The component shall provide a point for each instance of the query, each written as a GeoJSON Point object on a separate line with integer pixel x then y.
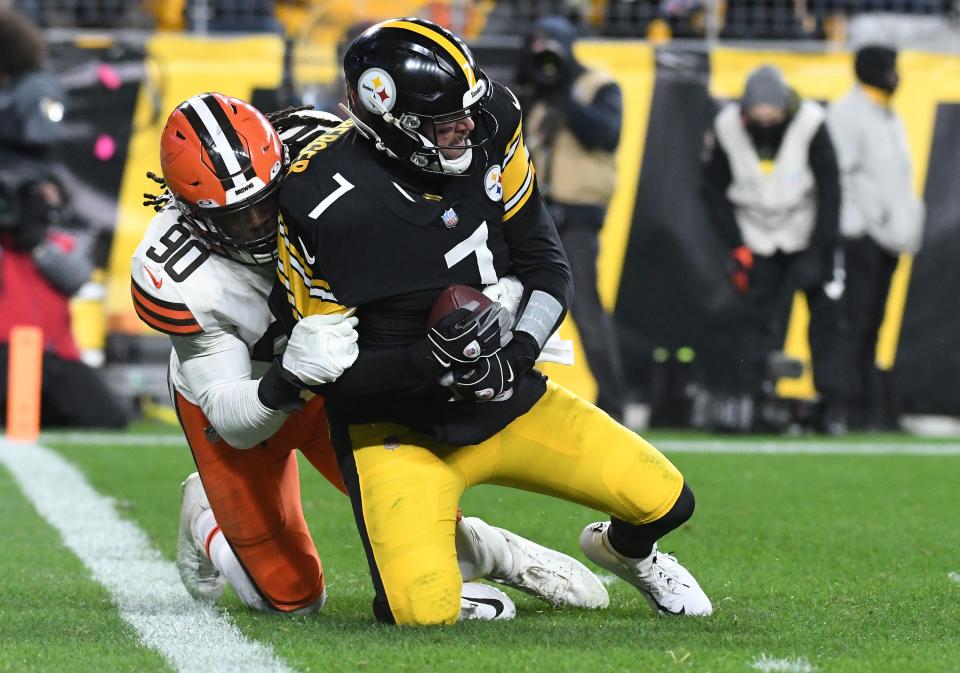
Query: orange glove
{"type": "Point", "coordinates": [742, 262]}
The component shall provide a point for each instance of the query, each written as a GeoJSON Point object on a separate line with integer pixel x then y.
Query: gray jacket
{"type": "Point", "coordinates": [876, 174]}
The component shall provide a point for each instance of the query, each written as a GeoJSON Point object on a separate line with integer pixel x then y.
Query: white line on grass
{"type": "Point", "coordinates": [954, 576]}
{"type": "Point", "coordinates": [193, 638]}
{"type": "Point", "coordinates": [732, 446]}
{"type": "Point", "coordinates": [812, 447]}
{"type": "Point", "coordinates": [112, 439]}
{"type": "Point", "coordinates": [792, 665]}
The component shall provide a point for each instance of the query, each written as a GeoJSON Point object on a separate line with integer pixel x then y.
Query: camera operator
{"type": "Point", "coordinates": [572, 129]}
{"type": "Point", "coordinates": [43, 252]}
{"type": "Point", "coordinates": [772, 190]}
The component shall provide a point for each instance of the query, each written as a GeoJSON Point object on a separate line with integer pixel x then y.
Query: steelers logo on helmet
{"type": "Point", "coordinates": [378, 93]}
{"type": "Point", "coordinates": [493, 183]}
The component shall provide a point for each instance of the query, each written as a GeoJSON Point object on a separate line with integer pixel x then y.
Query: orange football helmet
{"type": "Point", "coordinates": [223, 162]}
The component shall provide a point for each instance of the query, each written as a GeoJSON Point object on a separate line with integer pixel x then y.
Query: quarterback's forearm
{"type": "Point", "coordinates": [538, 260]}
{"type": "Point", "coordinates": [216, 368]}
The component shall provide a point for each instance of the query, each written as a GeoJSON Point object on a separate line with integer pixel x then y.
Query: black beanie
{"type": "Point", "coordinates": [876, 65]}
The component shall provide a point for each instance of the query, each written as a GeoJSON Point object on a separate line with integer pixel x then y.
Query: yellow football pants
{"type": "Point", "coordinates": [406, 490]}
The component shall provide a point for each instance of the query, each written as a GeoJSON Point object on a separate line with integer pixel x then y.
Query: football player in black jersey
{"type": "Point", "coordinates": [429, 184]}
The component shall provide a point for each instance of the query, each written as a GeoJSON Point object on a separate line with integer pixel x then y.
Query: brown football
{"type": "Point", "coordinates": [454, 297]}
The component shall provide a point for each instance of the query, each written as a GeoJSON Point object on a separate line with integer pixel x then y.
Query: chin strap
{"type": "Point", "coordinates": [368, 132]}
{"type": "Point", "coordinates": [458, 165]}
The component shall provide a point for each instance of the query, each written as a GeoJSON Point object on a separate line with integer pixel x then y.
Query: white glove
{"type": "Point", "coordinates": [321, 347]}
{"type": "Point", "coordinates": [508, 291]}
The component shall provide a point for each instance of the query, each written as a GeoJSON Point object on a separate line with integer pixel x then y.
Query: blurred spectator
{"type": "Point", "coordinates": [232, 16]}
{"type": "Point", "coordinates": [768, 20]}
{"type": "Point", "coordinates": [772, 190]}
{"type": "Point", "coordinates": [572, 130]}
{"type": "Point", "coordinates": [42, 261]}
{"type": "Point", "coordinates": [880, 217]}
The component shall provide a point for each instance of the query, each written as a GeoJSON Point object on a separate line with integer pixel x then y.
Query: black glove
{"type": "Point", "coordinates": [741, 262]}
{"type": "Point", "coordinates": [469, 333]}
{"type": "Point", "coordinates": [492, 378]}
{"type": "Point", "coordinates": [489, 379]}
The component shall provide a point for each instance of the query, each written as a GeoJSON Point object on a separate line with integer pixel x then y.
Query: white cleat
{"type": "Point", "coordinates": [479, 601]}
{"type": "Point", "coordinates": [197, 572]}
{"type": "Point", "coordinates": [551, 576]}
{"type": "Point", "coordinates": [667, 585]}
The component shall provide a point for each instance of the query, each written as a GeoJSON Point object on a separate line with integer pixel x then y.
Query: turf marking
{"type": "Point", "coordinates": [792, 665]}
{"type": "Point", "coordinates": [794, 447]}
{"type": "Point", "coordinates": [192, 637]}
{"type": "Point", "coordinates": [954, 577]}
{"type": "Point", "coordinates": [111, 439]}
{"type": "Point", "coordinates": [732, 446]}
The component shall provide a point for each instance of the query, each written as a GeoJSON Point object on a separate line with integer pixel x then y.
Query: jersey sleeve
{"type": "Point", "coordinates": [306, 290]}
{"type": "Point", "coordinates": [158, 298]}
{"type": "Point", "coordinates": [517, 173]}
{"type": "Point", "coordinates": [163, 315]}
{"type": "Point", "coordinates": [216, 364]}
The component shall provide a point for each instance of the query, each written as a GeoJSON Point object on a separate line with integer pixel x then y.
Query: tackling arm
{"type": "Point", "coordinates": [217, 365]}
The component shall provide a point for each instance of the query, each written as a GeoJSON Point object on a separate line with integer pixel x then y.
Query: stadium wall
{"type": "Point", "coordinates": [662, 266]}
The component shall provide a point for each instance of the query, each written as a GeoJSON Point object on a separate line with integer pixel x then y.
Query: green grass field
{"type": "Point", "coordinates": [835, 563]}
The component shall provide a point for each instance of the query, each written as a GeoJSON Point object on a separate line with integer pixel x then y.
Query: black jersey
{"type": "Point", "coordinates": [355, 232]}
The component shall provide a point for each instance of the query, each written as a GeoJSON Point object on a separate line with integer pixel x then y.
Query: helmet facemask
{"type": "Point", "coordinates": [244, 232]}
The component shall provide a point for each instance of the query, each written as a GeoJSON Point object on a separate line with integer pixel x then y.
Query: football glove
{"type": "Point", "coordinates": [320, 349]}
{"type": "Point", "coordinates": [489, 379]}
{"type": "Point", "coordinates": [741, 261]}
{"type": "Point", "coordinates": [469, 333]}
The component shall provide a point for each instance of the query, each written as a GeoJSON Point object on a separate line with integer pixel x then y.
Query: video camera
{"type": "Point", "coordinates": [546, 67]}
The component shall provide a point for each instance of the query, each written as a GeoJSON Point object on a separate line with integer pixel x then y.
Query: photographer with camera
{"type": "Point", "coordinates": [771, 188]}
{"type": "Point", "coordinates": [44, 253]}
{"type": "Point", "coordinates": [572, 130]}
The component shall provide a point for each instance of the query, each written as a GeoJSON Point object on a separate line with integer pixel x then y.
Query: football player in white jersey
{"type": "Point", "coordinates": [202, 275]}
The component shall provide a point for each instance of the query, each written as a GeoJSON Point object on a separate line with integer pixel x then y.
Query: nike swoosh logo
{"type": "Point", "coordinates": [492, 602]}
{"type": "Point", "coordinates": [510, 369]}
{"type": "Point", "coordinates": [157, 282]}
{"type": "Point", "coordinates": [307, 256]}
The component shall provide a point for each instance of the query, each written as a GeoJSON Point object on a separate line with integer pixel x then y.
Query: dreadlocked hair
{"type": "Point", "coordinates": [280, 119]}
{"type": "Point", "coordinates": [158, 201]}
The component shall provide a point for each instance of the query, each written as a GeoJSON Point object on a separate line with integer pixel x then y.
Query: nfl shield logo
{"type": "Point", "coordinates": [449, 218]}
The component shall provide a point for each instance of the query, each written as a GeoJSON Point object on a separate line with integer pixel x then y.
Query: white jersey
{"type": "Point", "coordinates": [215, 311]}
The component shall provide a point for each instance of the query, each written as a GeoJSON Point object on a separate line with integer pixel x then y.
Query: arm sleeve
{"type": "Point", "coordinates": [714, 180]}
{"type": "Point", "coordinates": [823, 165]}
{"type": "Point", "coordinates": [537, 258]}
{"type": "Point", "coordinates": [597, 125]}
{"type": "Point", "coordinates": [216, 366]}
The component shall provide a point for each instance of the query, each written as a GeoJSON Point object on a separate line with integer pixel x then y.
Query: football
{"type": "Point", "coordinates": [454, 297]}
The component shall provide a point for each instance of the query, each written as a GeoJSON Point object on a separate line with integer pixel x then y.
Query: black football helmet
{"type": "Point", "coordinates": [407, 76]}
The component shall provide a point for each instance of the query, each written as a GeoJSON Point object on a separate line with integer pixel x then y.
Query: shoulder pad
{"type": "Point", "coordinates": [504, 105]}
{"type": "Point", "coordinates": [297, 130]}
{"type": "Point", "coordinates": [158, 298]}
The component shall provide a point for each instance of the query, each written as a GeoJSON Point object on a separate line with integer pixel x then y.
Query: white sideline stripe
{"type": "Point", "coordinates": [794, 447]}
{"type": "Point", "coordinates": [111, 439]}
{"type": "Point", "coordinates": [192, 637]}
{"type": "Point", "coordinates": [732, 446]}
{"type": "Point", "coordinates": [792, 665]}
